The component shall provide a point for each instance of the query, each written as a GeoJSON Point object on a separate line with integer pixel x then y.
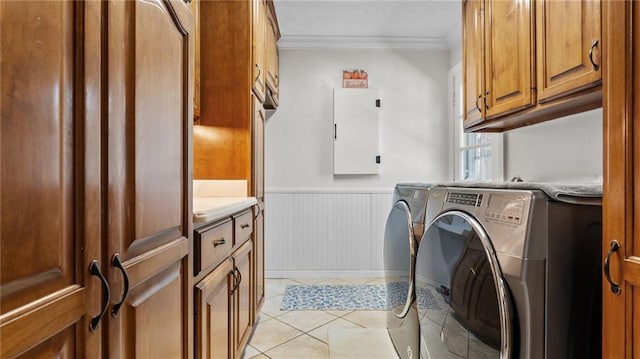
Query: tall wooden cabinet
{"type": "Point", "coordinates": [51, 179]}
{"type": "Point", "coordinates": [96, 187]}
{"type": "Point", "coordinates": [527, 62]}
{"type": "Point", "coordinates": [621, 206]}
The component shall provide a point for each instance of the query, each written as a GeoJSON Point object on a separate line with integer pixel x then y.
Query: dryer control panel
{"type": "Point", "coordinates": [505, 208]}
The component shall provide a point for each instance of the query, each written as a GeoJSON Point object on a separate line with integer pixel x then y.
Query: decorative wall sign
{"type": "Point", "coordinates": [355, 78]}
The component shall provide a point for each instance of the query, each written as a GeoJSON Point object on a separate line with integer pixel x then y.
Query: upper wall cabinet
{"type": "Point", "coordinates": [273, 59]}
{"type": "Point", "coordinates": [568, 44]}
{"type": "Point", "coordinates": [505, 87]}
{"type": "Point", "coordinates": [259, 49]}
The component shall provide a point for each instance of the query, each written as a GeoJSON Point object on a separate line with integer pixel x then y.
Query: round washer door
{"type": "Point", "coordinates": [462, 298]}
{"type": "Point", "coordinates": [399, 258]}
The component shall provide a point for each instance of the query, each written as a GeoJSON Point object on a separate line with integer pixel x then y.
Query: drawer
{"type": "Point", "coordinates": [243, 227]}
{"type": "Point", "coordinates": [213, 244]}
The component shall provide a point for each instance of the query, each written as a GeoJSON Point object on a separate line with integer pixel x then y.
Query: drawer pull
{"type": "Point", "coordinates": [219, 242]}
{"type": "Point", "coordinates": [245, 225]}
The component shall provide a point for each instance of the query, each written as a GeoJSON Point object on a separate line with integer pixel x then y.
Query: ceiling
{"type": "Point", "coordinates": [399, 23]}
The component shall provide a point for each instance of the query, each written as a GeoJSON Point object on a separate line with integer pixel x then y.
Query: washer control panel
{"type": "Point", "coordinates": [468, 199]}
{"type": "Point", "coordinates": [505, 208]}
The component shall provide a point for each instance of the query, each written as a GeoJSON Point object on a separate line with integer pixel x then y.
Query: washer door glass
{"type": "Point", "coordinates": [461, 296]}
{"type": "Point", "coordinates": [399, 258]}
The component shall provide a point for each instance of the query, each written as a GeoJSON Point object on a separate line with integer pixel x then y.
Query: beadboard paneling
{"type": "Point", "coordinates": [317, 231]}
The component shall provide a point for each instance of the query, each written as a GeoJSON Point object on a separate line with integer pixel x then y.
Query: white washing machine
{"type": "Point", "coordinates": [508, 274]}
{"type": "Point", "coordinates": [404, 228]}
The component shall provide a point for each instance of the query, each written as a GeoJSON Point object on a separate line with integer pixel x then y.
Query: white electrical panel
{"type": "Point", "coordinates": [356, 127]}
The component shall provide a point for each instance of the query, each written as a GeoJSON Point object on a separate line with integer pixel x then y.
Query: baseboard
{"type": "Point", "coordinates": [325, 274]}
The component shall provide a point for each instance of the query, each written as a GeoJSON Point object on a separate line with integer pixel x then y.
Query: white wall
{"type": "Point", "coordinates": [318, 224]}
{"type": "Point", "coordinates": [563, 150]}
{"type": "Point", "coordinates": [413, 142]}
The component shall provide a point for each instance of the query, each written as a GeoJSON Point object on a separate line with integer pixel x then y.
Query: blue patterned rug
{"type": "Point", "coordinates": [335, 297]}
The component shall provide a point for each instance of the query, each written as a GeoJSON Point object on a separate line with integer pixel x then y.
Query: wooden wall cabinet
{"type": "Point", "coordinates": [505, 87]}
{"type": "Point", "coordinates": [224, 312]}
{"type": "Point", "coordinates": [621, 203]}
{"type": "Point", "coordinates": [273, 59]}
{"type": "Point", "coordinates": [96, 147]}
{"type": "Point", "coordinates": [259, 54]}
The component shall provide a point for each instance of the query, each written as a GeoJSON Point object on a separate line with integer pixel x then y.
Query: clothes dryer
{"type": "Point", "coordinates": [404, 227]}
{"type": "Point", "coordinates": [508, 274]}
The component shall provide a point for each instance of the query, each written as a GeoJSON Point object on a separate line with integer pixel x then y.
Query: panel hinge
{"type": "Point", "coordinates": [378, 103]}
{"type": "Point", "coordinates": [378, 159]}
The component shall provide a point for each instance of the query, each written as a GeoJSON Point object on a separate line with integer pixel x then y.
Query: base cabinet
{"type": "Point", "coordinates": [224, 293]}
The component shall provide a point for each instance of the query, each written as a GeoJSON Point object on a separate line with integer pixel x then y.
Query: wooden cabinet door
{"type": "Point", "coordinates": [149, 186]}
{"type": "Point", "coordinates": [242, 296]}
{"type": "Point", "coordinates": [508, 56]}
{"type": "Point", "coordinates": [50, 179]}
{"type": "Point", "coordinates": [259, 55]}
{"type": "Point", "coordinates": [214, 313]}
{"type": "Point", "coordinates": [568, 40]}
{"type": "Point", "coordinates": [621, 203]}
{"type": "Point", "coordinates": [257, 145]}
{"type": "Point", "coordinates": [473, 60]}
{"type": "Point", "coordinates": [258, 248]}
{"type": "Point", "coordinates": [195, 11]}
{"type": "Point", "coordinates": [272, 57]}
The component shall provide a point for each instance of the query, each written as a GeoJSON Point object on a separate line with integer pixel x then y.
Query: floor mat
{"type": "Point", "coordinates": [335, 297]}
{"type": "Point", "coordinates": [360, 343]}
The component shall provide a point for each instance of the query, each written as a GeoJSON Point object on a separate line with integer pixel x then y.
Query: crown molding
{"type": "Point", "coordinates": [361, 42]}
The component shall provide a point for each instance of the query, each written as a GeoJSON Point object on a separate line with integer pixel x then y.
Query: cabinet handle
{"type": "Point", "coordinates": [244, 225]}
{"type": "Point", "coordinates": [239, 276]}
{"type": "Point", "coordinates": [259, 73]}
{"type": "Point", "coordinates": [486, 106]}
{"type": "Point", "coordinates": [258, 210]}
{"type": "Point", "coordinates": [233, 273]}
{"type": "Point", "coordinates": [478, 106]}
{"type": "Point", "coordinates": [593, 46]}
{"type": "Point", "coordinates": [94, 269]}
{"type": "Point", "coordinates": [277, 81]}
{"type": "Point", "coordinates": [219, 242]}
{"type": "Point", "coordinates": [615, 287]}
{"type": "Point", "coordinates": [125, 278]}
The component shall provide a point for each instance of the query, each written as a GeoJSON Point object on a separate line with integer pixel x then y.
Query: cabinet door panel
{"type": "Point", "coordinates": [473, 55]}
{"type": "Point", "coordinates": [150, 113]}
{"type": "Point", "coordinates": [50, 177]}
{"type": "Point", "coordinates": [243, 260]}
{"type": "Point", "coordinates": [566, 31]}
{"type": "Point", "coordinates": [259, 55]}
{"type": "Point", "coordinates": [214, 313]}
{"type": "Point", "coordinates": [509, 53]}
{"type": "Point", "coordinates": [153, 312]}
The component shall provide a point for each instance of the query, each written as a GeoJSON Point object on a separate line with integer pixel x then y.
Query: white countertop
{"type": "Point", "coordinates": [207, 209]}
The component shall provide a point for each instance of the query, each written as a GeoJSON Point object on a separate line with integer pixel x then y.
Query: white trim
{"type": "Point", "coordinates": [329, 190]}
{"type": "Point", "coordinates": [361, 42]}
{"type": "Point", "coordinates": [453, 123]}
{"type": "Point", "coordinates": [268, 274]}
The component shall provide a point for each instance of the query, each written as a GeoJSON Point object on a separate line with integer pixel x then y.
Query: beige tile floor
{"type": "Point", "coordinates": [304, 334]}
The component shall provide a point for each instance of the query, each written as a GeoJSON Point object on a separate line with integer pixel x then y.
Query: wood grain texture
{"type": "Point", "coordinates": [272, 33]}
{"type": "Point", "coordinates": [565, 32]}
{"type": "Point", "coordinates": [50, 177]}
{"type": "Point", "coordinates": [509, 57]}
{"type": "Point", "coordinates": [150, 76]}
{"type": "Point", "coordinates": [259, 51]}
{"type": "Point", "coordinates": [621, 84]}
{"type": "Point", "coordinates": [243, 297]}
{"type": "Point", "coordinates": [214, 319]}
{"type": "Point", "coordinates": [473, 61]}
{"type": "Point", "coordinates": [222, 142]}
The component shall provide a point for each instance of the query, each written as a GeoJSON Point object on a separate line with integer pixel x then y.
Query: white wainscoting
{"type": "Point", "coordinates": [325, 232]}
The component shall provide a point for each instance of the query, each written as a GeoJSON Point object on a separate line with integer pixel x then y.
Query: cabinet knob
{"type": "Point", "coordinates": [219, 242]}
{"type": "Point", "coordinates": [244, 225]}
